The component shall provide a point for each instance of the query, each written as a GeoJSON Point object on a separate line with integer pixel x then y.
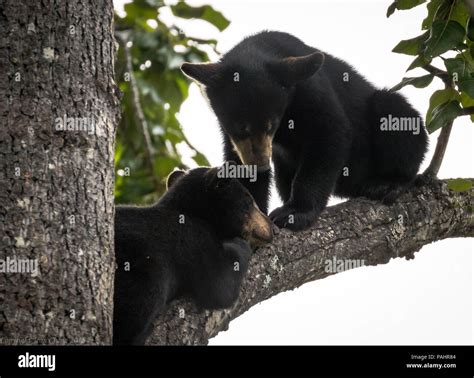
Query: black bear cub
{"type": "Point", "coordinates": [326, 128]}
{"type": "Point", "coordinates": [194, 242]}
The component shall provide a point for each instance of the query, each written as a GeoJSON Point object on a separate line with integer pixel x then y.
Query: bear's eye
{"type": "Point", "coordinates": [249, 200]}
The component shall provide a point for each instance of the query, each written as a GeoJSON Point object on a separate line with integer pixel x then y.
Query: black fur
{"type": "Point", "coordinates": [336, 125]}
{"type": "Point", "coordinates": [196, 259]}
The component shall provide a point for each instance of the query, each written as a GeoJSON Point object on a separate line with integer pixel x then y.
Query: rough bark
{"type": "Point", "coordinates": [56, 185]}
{"type": "Point", "coordinates": [352, 231]}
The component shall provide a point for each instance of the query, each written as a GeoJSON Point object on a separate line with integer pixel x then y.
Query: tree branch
{"type": "Point", "coordinates": [140, 117]}
{"type": "Point", "coordinates": [440, 150]}
{"type": "Point", "coordinates": [358, 230]}
{"type": "Point", "coordinates": [443, 138]}
{"type": "Point", "coordinates": [468, 111]}
{"type": "Point", "coordinates": [443, 75]}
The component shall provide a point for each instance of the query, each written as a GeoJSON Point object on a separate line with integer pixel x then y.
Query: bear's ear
{"type": "Point", "coordinates": [204, 73]}
{"type": "Point", "coordinates": [173, 176]}
{"type": "Point", "coordinates": [289, 71]}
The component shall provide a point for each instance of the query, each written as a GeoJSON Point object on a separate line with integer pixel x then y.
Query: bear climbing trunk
{"type": "Point", "coordinates": [58, 113]}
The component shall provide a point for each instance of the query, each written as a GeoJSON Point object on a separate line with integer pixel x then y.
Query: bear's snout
{"type": "Point", "coordinates": [258, 228]}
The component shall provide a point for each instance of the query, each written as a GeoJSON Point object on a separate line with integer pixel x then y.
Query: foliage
{"type": "Point", "coordinates": [448, 29]}
{"type": "Point", "coordinates": [155, 52]}
{"type": "Point", "coordinates": [460, 185]}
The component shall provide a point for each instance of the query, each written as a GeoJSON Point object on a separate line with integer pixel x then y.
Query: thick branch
{"type": "Point", "coordinates": [355, 230]}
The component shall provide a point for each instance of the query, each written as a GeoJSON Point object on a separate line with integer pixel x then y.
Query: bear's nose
{"type": "Point", "coordinates": [263, 233]}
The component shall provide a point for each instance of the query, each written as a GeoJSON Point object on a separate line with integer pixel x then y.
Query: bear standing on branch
{"type": "Point", "coordinates": [322, 124]}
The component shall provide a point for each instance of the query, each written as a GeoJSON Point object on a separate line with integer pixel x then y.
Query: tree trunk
{"type": "Point", "coordinates": [352, 234]}
{"type": "Point", "coordinates": [58, 113]}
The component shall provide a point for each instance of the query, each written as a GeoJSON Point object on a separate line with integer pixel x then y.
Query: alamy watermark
{"type": "Point", "coordinates": [66, 123]}
{"type": "Point", "coordinates": [391, 123]}
{"type": "Point", "coordinates": [337, 266]}
{"type": "Point", "coordinates": [28, 360]}
{"type": "Point", "coordinates": [229, 170]}
{"type": "Point", "coordinates": [23, 266]}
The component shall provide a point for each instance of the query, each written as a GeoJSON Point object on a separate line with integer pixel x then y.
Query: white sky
{"type": "Point", "coordinates": [428, 300]}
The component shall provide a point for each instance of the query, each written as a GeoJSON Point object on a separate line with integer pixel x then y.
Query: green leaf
{"type": "Point", "coordinates": [467, 86]}
{"type": "Point", "coordinates": [458, 69]}
{"type": "Point", "coordinates": [418, 82]}
{"type": "Point", "coordinates": [408, 4]}
{"type": "Point", "coordinates": [456, 66]}
{"type": "Point", "coordinates": [201, 160]}
{"type": "Point", "coordinates": [118, 152]}
{"type": "Point", "coordinates": [466, 102]}
{"type": "Point", "coordinates": [468, 58]}
{"type": "Point", "coordinates": [444, 36]}
{"type": "Point", "coordinates": [460, 185]}
{"type": "Point", "coordinates": [411, 46]}
{"type": "Point", "coordinates": [419, 61]}
{"type": "Point", "coordinates": [205, 12]}
{"type": "Point", "coordinates": [403, 5]}
{"type": "Point", "coordinates": [470, 29]}
{"type": "Point", "coordinates": [440, 97]}
{"type": "Point", "coordinates": [164, 165]}
{"type": "Point", "coordinates": [391, 9]}
{"type": "Point", "coordinates": [461, 73]}
{"type": "Point", "coordinates": [460, 13]}
{"type": "Point", "coordinates": [444, 114]}
{"type": "Point", "coordinates": [433, 6]}
{"type": "Point", "coordinates": [140, 12]}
